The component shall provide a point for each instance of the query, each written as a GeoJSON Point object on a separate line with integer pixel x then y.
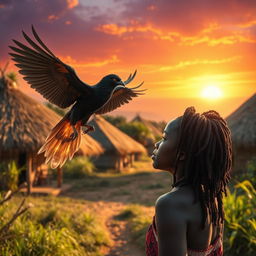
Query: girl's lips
{"type": "Point", "coordinates": [153, 154]}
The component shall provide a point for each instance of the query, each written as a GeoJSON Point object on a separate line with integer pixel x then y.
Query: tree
{"type": "Point", "coordinates": [56, 109]}
{"type": "Point", "coordinates": [115, 120]}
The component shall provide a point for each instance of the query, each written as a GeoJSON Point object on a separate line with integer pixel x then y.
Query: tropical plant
{"type": "Point", "coordinates": [9, 175]}
{"type": "Point", "coordinates": [240, 220]}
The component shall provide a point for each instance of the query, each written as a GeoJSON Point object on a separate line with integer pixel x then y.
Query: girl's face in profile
{"type": "Point", "coordinates": [165, 150]}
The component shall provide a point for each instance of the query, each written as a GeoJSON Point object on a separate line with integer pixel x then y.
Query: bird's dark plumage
{"type": "Point", "coordinates": [58, 83]}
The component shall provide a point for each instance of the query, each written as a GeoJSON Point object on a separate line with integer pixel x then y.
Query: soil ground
{"type": "Point", "coordinates": [111, 193]}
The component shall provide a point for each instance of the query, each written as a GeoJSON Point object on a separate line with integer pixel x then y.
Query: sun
{"type": "Point", "coordinates": [211, 92]}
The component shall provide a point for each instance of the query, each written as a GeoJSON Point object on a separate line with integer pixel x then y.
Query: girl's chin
{"type": "Point", "coordinates": [154, 164]}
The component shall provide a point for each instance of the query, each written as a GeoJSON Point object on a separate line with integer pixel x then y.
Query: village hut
{"type": "Point", "coordinates": [155, 132]}
{"type": "Point", "coordinates": [242, 123]}
{"type": "Point", "coordinates": [25, 124]}
{"type": "Point", "coordinates": [120, 149]}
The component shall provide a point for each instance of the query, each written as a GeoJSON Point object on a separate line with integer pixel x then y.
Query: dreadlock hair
{"type": "Point", "coordinates": [206, 141]}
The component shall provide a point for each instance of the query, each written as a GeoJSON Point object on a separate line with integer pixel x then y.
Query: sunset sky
{"type": "Point", "coordinates": [198, 53]}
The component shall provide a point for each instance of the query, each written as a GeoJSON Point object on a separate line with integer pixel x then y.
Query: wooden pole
{"type": "Point", "coordinates": [59, 181]}
{"type": "Point", "coordinates": [29, 170]}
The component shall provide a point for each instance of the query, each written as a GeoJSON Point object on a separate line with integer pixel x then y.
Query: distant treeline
{"type": "Point", "coordinates": [135, 129]}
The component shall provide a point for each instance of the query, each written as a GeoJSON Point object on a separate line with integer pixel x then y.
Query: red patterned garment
{"type": "Point", "coordinates": [215, 249]}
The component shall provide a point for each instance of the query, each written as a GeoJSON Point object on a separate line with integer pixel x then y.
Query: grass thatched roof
{"type": "Point", "coordinates": [113, 139]}
{"type": "Point", "coordinates": [242, 123]}
{"type": "Point", "coordinates": [25, 123]}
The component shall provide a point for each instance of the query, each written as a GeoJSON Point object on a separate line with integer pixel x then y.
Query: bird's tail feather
{"type": "Point", "coordinates": [58, 146]}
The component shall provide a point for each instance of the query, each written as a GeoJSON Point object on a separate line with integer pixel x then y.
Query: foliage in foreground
{"type": "Point", "coordinates": [240, 221]}
{"type": "Point", "coordinates": [59, 230]}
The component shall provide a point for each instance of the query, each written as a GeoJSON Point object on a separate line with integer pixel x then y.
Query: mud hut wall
{"type": "Point", "coordinates": [241, 157]}
{"type": "Point", "coordinates": [137, 156]}
{"type": "Point", "coordinates": [40, 169]}
{"type": "Point", "coordinates": [106, 161]}
{"type": "Point", "coordinates": [8, 156]}
{"type": "Point", "coordinates": [113, 161]}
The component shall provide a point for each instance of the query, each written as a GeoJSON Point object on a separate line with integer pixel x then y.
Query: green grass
{"type": "Point", "coordinates": [54, 226]}
{"type": "Point", "coordinates": [153, 186]}
{"type": "Point", "coordinates": [139, 222]}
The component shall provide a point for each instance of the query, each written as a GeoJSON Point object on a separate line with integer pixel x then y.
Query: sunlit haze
{"type": "Point", "coordinates": [188, 53]}
{"type": "Point", "coordinates": [211, 92]}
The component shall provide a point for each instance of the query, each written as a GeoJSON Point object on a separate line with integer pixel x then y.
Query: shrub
{"type": "Point", "coordinates": [78, 167]}
{"type": "Point", "coordinates": [240, 220]}
{"type": "Point", "coordinates": [9, 175]}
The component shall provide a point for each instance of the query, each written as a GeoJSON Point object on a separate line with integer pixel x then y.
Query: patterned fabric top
{"type": "Point", "coordinates": [215, 249]}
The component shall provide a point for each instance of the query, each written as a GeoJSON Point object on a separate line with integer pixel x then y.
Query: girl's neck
{"type": "Point", "coordinates": [180, 182]}
{"type": "Point", "coordinates": [179, 178]}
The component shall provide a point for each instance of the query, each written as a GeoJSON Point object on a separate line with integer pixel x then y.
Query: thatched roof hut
{"type": "Point", "coordinates": [242, 123]}
{"type": "Point", "coordinates": [120, 149]}
{"type": "Point", "coordinates": [25, 124]}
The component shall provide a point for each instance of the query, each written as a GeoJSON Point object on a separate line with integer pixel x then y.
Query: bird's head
{"type": "Point", "coordinates": [112, 80]}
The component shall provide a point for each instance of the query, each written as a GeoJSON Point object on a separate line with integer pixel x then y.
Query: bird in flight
{"type": "Point", "coordinates": [59, 84]}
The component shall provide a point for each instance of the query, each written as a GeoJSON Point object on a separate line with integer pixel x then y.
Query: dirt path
{"type": "Point", "coordinates": [120, 235]}
{"type": "Point", "coordinates": [111, 195]}
{"type": "Point", "coordinates": [119, 232]}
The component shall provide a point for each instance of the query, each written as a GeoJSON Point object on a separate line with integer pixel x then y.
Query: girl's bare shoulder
{"type": "Point", "coordinates": [178, 198]}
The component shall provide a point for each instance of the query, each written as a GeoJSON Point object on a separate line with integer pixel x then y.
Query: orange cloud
{"type": "Point", "coordinates": [74, 63]}
{"type": "Point", "coordinates": [72, 3]}
{"type": "Point", "coordinates": [114, 29]}
{"type": "Point", "coordinates": [208, 35]}
{"type": "Point", "coordinates": [212, 41]}
{"type": "Point", "coordinates": [52, 17]}
{"type": "Point", "coordinates": [184, 64]}
{"type": "Point", "coordinates": [248, 24]}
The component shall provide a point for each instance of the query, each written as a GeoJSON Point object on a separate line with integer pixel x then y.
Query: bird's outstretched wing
{"type": "Point", "coordinates": [120, 96]}
{"type": "Point", "coordinates": [47, 74]}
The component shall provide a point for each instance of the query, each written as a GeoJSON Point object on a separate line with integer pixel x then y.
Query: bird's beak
{"type": "Point", "coordinates": [120, 83]}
